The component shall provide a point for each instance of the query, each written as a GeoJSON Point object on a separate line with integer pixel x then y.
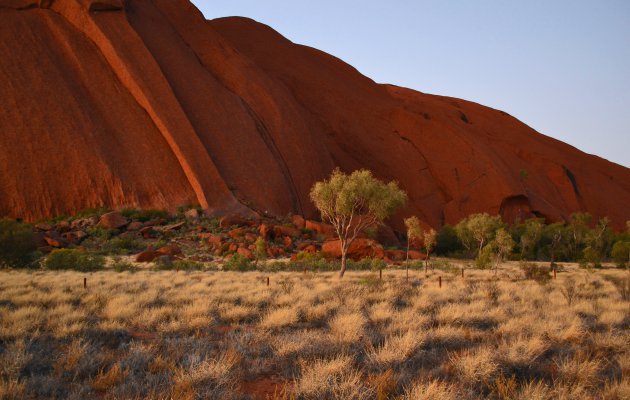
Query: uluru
{"type": "Point", "coordinates": [145, 103]}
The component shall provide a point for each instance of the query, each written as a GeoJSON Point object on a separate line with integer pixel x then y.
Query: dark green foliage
{"type": "Point", "coordinates": [310, 262]}
{"type": "Point", "coordinates": [621, 253]}
{"type": "Point", "coordinates": [238, 263]}
{"type": "Point", "coordinates": [61, 259]}
{"type": "Point", "coordinates": [366, 264]}
{"type": "Point", "coordinates": [188, 265]}
{"type": "Point", "coordinates": [448, 243]}
{"type": "Point", "coordinates": [484, 260]}
{"type": "Point", "coordinates": [100, 233]}
{"type": "Point", "coordinates": [122, 245]}
{"type": "Point", "coordinates": [540, 274]}
{"type": "Point", "coordinates": [144, 215]}
{"type": "Point", "coordinates": [17, 244]}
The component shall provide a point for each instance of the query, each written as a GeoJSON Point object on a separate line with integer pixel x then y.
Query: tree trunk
{"type": "Point", "coordinates": [426, 263]}
{"type": "Point", "coordinates": [407, 261]}
{"type": "Point", "coordinates": [344, 251]}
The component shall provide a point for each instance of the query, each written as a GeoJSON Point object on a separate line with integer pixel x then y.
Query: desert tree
{"type": "Point", "coordinates": [429, 239]}
{"type": "Point", "coordinates": [530, 237]}
{"type": "Point", "coordinates": [476, 230]}
{"type": "Point", "coordinates": [578, 229]}
{"type": "Point", "coordinates": [17, 243]}
{"type": "Point", "coordinates": [414, 232]}
{"type": "Point", "coordinates": [502, 245]}
{"type": "Point", "coordinates": [354, 202]}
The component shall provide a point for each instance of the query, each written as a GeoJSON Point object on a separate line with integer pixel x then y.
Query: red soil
{"type": "Point", "coordinates": [146, 104]}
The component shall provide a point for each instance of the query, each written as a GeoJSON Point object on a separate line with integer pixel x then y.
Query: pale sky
{"type": "Point", "coordinates": [560, 66]}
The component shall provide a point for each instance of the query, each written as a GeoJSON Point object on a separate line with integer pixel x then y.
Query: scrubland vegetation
{"type": "Point", "coordinates": [227, 335]}
{"type": "Point", "coordinates": [146, 304]}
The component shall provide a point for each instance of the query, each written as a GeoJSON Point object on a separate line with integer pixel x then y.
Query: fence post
{"type": "Point", "coordinates": [267, 281]}
{"type": "Point", "coordinates": [440, 281]}
{"type": "Point", "coordinates": [462, 272]}
{"type": "Point", "coordinates": [380, 274]}
{"type": "Point", "coordinates": [84, 283]}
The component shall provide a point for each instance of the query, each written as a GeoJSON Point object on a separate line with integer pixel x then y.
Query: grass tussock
{"type": "Point", "coordinates": [198, 334]}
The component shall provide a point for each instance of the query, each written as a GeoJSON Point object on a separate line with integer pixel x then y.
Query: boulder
{"type": "Point", "coordinates": [62, 226]}
{"type": "Point", "coordinates": [74, 237]}
{"type": "Point", "coordinates": [113, 220]}
{"type": "Point", "coordinates": [172, 250]}
{"type": "Point", "coordinates": [245, 253]}
{"type": "Point", "coordinates": [135, 226]}
{"type": "Point", "coordinates": [43, 227]}
{"type": "Point", "coordinates": [264, 231]}
{"type": "Point", "coordinates": [416, 255]}
{"type": "Point", "coordinates": [234, 220]}
{"type": "Point", "coordinates": [282, 230]}
{"type": "Point", "coordinates": [171, 227]}
{"type": "Point", "coordinates": [192, 214]}
{"type": "Point", "coordinates": [215, 241]}
{"type": "Point", "coordinates": [147, 256]}
{"type": "Point", "coordinates": [298, 221]}
{"type": "Point", "coordinates": [360, 248]}
{"type": "Point", "coordinates": [84, 223]}
{"type": "Point", "coordinates": [321, 228]}
{"type": "Point", "coordinates": [55, 241]}
{"type": "Point", "coordinates": [147, 232]}
{"type": "Point", "coordinates": [237, 233]}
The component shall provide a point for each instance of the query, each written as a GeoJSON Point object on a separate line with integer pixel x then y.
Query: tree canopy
{"type": "Point", "coordinates": [351, 203]}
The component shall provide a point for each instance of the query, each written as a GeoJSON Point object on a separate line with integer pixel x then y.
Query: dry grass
{"type": "Point", "coordinates": [168, 335]}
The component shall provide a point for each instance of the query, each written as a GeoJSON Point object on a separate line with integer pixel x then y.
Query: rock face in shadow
{"type": "Point", "coordinates": [144, 103]}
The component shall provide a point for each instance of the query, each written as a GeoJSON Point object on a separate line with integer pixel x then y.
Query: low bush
{"type": "Point", "coordinates": [144, 215]}
{"type": "Point", "coordinates": [484, 260]}
{"type": "Point", "coordinates": [312, 262]}
{"type": "Point", "coordinates": [122, 245]}
{"type": "Point", "coordinates": [188, 265]}
{"type": "Point", "coordinates": [366, 264]}
{"type": "Point", "coordinates": [74, 259]}
{"type": "Point", "coordinates": [164, 263]}
{"type": "Point", "coordinates": [17, 244]}
{"type": "Point", "coordinates": [238, 263]}
{"type": "Point", "coordinates": [123, 266]}
{"type": "Point", "coordinates": [538, 273]}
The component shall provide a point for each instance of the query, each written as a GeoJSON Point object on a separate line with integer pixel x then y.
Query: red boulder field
{"type": "Point", "coordinates": [144, 103]}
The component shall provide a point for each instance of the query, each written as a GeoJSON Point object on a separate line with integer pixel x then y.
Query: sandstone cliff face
{"type": "Point", "coordinates": [143, 103]}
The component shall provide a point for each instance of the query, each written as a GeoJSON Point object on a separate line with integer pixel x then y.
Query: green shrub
{"type": "Point", "coordinates": [312, 262]}
{"type": "Point", "coordinates": [122, 266]}
{"type": "Point", "coordinates": [100, 233]}
{"type": "Point", "coordinates": [540, 274]}
{"type": "Point", "coordinates": [367, 264]}
{"type": "Point", "coordinates": [448, 243]}
{"type": "Point", "coordinates": [164, 263]}
{"type": "Point", "coordinates": [188, 265]}
{"type": "Point", "coordinates": [484, 260]}
{"type": "Point", "coordinates": [446, 266]}
{"type": "Point", "coordinates": [144, 215]}
{"type": "Point", "coordinates": [17, 244]}
{"type": "Point", "coordinates": [122, 245]}
{"type": "Point", "coordinates": [74, 259]}
{"type": "Point", "coordinates": [238, 263]}
{"type": "Point", "coordinates": [621, 253]}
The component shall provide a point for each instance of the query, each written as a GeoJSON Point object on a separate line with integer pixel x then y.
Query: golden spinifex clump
{"type": "Point", "coordinates": [351, 203]}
